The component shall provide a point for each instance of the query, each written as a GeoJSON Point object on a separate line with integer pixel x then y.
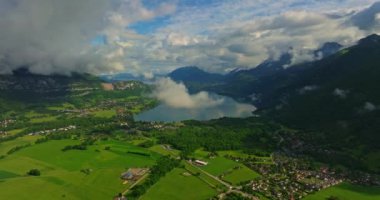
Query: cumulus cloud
{"type": "Point", "coordinates": [368, 106]}
{"type": "Point", "coordinates": [217, 40]}
{"type": "Point", "coordinates": [341, 93]}
{"type": "Point", "coordinates": [176, 95]}
{"type": "Point", "coordinates": [308, 88]}
{"type": "Point", "coordinates": [54, 36]}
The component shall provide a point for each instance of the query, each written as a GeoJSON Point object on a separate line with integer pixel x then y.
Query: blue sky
{"type": "Point", "coordinates": [255, 8]}
{"type": "Point", "coordinates": [148, 27]}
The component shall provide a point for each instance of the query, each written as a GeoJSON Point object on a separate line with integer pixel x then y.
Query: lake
{"type": "Point", "coordinates": [228, 108]}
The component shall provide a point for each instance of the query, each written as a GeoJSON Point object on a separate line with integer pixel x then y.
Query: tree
{"type": "Point", "coordinates": [332, 198]}
{"type": "Point", "coordinates": [34, 172]}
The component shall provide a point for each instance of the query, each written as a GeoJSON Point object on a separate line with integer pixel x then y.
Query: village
{"type": "Point", "coordinates": [5, 123]}
{"type": "Point", "coordinates": [46, 132]}
{"type": "Point", "coordinates": [290, 178]}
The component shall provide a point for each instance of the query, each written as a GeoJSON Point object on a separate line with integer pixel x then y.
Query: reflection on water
{"type": "Point", "coordinates": [229, 108]}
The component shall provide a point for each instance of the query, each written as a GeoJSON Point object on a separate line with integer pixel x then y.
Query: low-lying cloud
{"type": "Point", "coordinates": [176, 95]}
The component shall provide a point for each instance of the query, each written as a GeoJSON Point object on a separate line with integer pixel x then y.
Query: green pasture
{"type": "Point", "coordinates": [61, 172]}
{"type": "Point", "coordinates": [346, 191]}
{"type": "Point", "coordinates": [178, 185]}
{"type": "Point", "coordinates": [241, 174]}
{"type": "Point", "coordinates": [105, 113]}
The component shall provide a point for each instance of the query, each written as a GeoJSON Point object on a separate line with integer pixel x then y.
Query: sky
{"type": "Point", "coordinates": [157, 36]}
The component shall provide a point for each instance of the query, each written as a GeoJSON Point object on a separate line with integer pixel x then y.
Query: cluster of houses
{"type": "Point", "coordinates": [82, 89]}
{"type": "Point", "coordinates": [6, 123]}
{"type": "Point", "coordinates": [130, 85]}
{"type": "Point", "coordinates": [45, 132]}
{"type": "Point", "coordinates": [146, 126]}
{"type": "Point", "coordinates": [3, 134]}
{"type": "Point", "coordinates": [288, 178]}
{"type": "Point", "coordinates": [78, 112]}
{"type": "Point", "coordinates": [293, 184]}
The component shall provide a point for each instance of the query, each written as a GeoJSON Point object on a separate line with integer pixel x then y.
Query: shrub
{"type": "Point", "coordinates": [34, 172]}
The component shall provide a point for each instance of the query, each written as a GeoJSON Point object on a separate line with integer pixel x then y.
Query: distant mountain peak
{"type": "Point", "coordinates": [373, 39]}
{"type": "Point", "coordinates": [327, 49]}
{"type": "Point", "coordinates": [23, 71]}
{"type": "Point", "coordinates": [194, 73]}
{"type": "Point", "coordinates": [189, 68]}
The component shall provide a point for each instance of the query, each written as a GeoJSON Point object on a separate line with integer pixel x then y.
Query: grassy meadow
{"type": "Point", "coordinates": [179, 185]}
{"type": "Point", "coordinates": [346, 191]}
{"type": "Point", "coordinates": [241, 174]}
{"type": "Point", "coordinates": [61, 172]}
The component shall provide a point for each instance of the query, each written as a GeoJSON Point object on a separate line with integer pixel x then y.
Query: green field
{"type": "Point", "coordinates": [60, 171]}
{"type": "Point", "coordinates": [16, 131]}
{"type": "Point", "coordinates": [6, 146]}
{"type": "Point", "coordinates": [231, 171]}
{"type": "Point", "coordinates": [240, 154]}
{"type": "Point", "coordinates": [61, 107]}
{"type": "Point", "coordinates": [177, 186]}
{"type": "Point", "coordinates": [346, 191]}
{"type": "Point", "coordinates": [45, 118]}
{"type": "Point", "coordinates": [36, 118]}
{"type": "Point", "coordinates": [240, 175]}
{"type": "Point", "coordinates": [105, 113]}
{"type": "Point", "coordinates": [161, 150]}
{"type": "Point", "coordinates": [219, 165]}
{"type": "Point", "coordinates": [6, 174]}
{"type": "Point", "coordinates": [202, 176]}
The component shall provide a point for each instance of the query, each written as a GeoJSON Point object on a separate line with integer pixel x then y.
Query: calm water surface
{"type": "Point", "coordinates": [228, 108]}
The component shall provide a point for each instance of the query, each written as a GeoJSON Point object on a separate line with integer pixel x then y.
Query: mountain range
{"type": "Point", "coordinates": [337, 96]}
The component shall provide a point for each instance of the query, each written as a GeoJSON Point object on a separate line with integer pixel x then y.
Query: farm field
{"type": "Point", "coordinates": [202, 176]}
{"type": "Point", "coordinates": [241, 174]}
{"type": "Point", "coordinates": [161, 150]}
{"type": "Point", "coordinates": [45, 118]}
{"type": "Point", "coordinates": [219, 165]}
{"type": "Point", "coordinates": [216, 165]}
{"type": "Point", "coordinates": [346, 191]}
{"type": "Point", "coordinates": [6, 146]}
{"type": "Point", "coordinates": [61, 171]}
{"type": "Point", "coordinates": [177, 186]}
{"type": "Point", "coordinates": [105, 113]}
{"type": "Point", "coordinates": [229, 170]}
{"type": "Point", "coordinates": [240, 154]}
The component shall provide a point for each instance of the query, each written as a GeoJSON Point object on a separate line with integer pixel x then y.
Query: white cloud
{"type": "Point", "coordinates": [308, 88]}
{"type": "Point", "coordinates": [218, 39]}
{"type": "Point", "coordinates": [176, 95]}
{"type": "Point", "coordinates": [341, 93]}
{"type": "Point", "coordinates": [148, 75]}
{"type": "Point", "coordinates": [368, 106]}
{"type": "Point", "coordinates": [53, 36]}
